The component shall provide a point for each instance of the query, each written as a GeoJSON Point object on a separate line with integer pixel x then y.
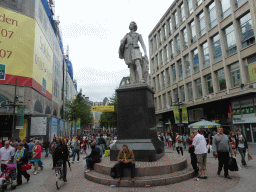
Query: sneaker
{"type": "Point", "coordinates": [119, 180]}
{"type": "Point", "coordinates": [228, 177]}
{"type": "Point", "coordinates": [77, 161]}
{"type": "Point", "coordinates": [36, 172]}
{"type": "Point", "coordinates": [65, 180]}
{"type": "Point", "coordinates": [28, 179]}
{"type": "Point", "coordinates": [87, 170]}
{"type": "Point", "coordinates": [133, 179]}
{"type": "Point", "coordinates": [73, 162]}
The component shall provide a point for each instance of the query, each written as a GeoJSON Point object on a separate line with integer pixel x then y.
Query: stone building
{"type": "Point", "coordinates": [203, 54]}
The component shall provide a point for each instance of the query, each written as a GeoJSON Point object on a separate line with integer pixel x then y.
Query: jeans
{"type": "Point", "coordinates": [76, 151]}
{"type": "Point", "coordinates": [47, 152]}
{"type": "Point", "coordinates": [242, 152]}
{"type": "Point", "coordinates": [181, 150]}
{"type": "Point", "coordinates": [223, 158]}
{"type": "Point", "coordinates": [102, 148]}
{"type": "Point", "coordinates": [120, 167]}
{"type": "Point", "coordinates": [184, 144]}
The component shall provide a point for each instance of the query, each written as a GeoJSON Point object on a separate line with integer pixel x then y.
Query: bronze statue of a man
{"type": "Point", "coordinates": [129, 50]}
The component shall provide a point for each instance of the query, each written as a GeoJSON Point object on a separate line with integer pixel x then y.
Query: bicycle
{"type": "Point", "coordinates": [59, 173]}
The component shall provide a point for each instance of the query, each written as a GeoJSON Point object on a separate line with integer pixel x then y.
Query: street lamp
{"type": "Point", "coordinates": [179, 104]}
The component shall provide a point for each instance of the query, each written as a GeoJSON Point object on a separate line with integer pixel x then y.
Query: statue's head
{"type": "Point", "coordinates": [133, 26]}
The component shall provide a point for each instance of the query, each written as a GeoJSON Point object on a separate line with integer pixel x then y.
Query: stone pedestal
{"type": "Point", "coordinates": [136, 122]}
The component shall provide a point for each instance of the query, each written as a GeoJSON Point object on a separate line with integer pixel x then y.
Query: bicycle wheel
{"type": "Point", "coordinates": [58, 176]}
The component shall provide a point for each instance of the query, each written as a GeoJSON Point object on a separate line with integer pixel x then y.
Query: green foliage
{"type": "Point", "coordinates": [78, 108]}
{"type": "Point", "coordinates": [109, 119]}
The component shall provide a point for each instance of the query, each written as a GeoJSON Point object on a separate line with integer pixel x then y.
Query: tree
{"type": "Point", "coordinates": [78, 108]}
{"type": "Point", "coordinates": [109, 119]}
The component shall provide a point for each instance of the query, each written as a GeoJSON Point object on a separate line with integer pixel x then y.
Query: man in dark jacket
{"type": "Point", "coordinates": [94, 157]}
{"type": "Point", "coordinates": [46, 145]}
{"type": "Point", "coordinates": [242, 146]}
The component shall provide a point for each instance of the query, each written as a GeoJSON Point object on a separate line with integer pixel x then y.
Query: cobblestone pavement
{"type": "Point", "coordinates": [244, 180]}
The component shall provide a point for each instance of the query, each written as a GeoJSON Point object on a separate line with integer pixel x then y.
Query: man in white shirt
{"type": "Point", "coordinates": [199, 143]}
{"type": "Point", "coordinates": [6, 153]}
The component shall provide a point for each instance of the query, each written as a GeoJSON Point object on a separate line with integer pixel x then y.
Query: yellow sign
{"type": "Point", "coordinates": [102, 108]}
{"type": "Point", "coordinates": [96, 121]}
{"type": "Point", "coordinates": [252, 72]}
{"type": "Point", "coordinates": [43, 61]}
{"type": "Point", "coordinates": [17, 34]}
{"type": "Point", "coordinates": [23, 132]}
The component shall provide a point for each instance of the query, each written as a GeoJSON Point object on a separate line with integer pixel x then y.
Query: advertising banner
{"type": "Point", "coordinates": [176, 114]}
{"type": "Point", "coordinates": [17, 33]}
{"type": "Point", "coordinates": [54, 128]}
{"type": "Point", "coordinates": [102, 108]}
{"type": "Point", "coordinates": [2, 71]}
{"type": "Point", "coordinates": [252, 72]}
{"type": "Point", "coordinates": [66, 128]}
{"type": "Point", "coordinates": [20, 118]}
{"type": "Point", "coordinates": [38, 125]}
{"type": "Point", "coordinates": [43, 64]}
{"type": "Point", "coordinates": [78, 123]}
{"type": "Point", "coordinates": [23, 132]}
{"type": "Point", "coordinates": [184, 114]}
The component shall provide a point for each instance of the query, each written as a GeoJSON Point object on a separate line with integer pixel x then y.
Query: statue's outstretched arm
{"type": "Point", "coordinates": [143, 46]}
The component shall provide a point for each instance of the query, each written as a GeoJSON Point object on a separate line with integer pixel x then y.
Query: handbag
{"type": "Point", "coordinates": [232, 164]}
{"type": "Point", "coordinates": [26, 167]}
{"type": "Point", "coordinates": [250, 157]}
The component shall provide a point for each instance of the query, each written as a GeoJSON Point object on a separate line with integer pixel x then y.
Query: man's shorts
{"type": "Point", "coordinates": [36, 160]}
{"type": "Point", "coordinates": [201, 160]}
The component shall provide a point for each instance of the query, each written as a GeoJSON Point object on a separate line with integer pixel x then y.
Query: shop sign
{"type": "Point", "coordinates": [252, 72]}
{"type": "Point", "coordinates": [244, 120]}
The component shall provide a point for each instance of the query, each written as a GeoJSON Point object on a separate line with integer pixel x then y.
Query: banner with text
{"type": "Point", "coordinates": [102, 108]}
{"type": "Point", "coordinates": [20, 118]}
{"type": "Point", "coordinates": [23, 132]}
{"type": "Point", "coordinates": [176, 114]}
{"type": "Point", "coordinates": [184, 114]}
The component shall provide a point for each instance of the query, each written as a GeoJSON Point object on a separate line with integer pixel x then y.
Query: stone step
{"type": "Point", "coordinates": [169, 163]}
{"type": "Point", "coordinates": [157, 180]}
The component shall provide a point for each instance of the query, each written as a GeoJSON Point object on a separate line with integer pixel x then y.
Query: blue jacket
{"type": "Point", "coordinates": [30, 146]}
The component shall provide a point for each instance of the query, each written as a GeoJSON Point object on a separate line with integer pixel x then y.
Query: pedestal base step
{"type": "Point", "coordinates": [157, 180]}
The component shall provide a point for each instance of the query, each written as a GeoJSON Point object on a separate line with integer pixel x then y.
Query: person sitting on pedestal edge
{"type": "Point", "coordinates": [125, 159]}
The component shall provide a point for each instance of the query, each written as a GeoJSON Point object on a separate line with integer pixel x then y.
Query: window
{"type": "Point", "coordinates": [173, 73]}
{"type": "Point", "coordinates": [182, 13]}
{"type": "Point", "coordinates": [156, 42]}
{"type": "Point", "coordinates": [160, 37]}
{"type": "Point", "coordinates": [195, 61]}
{"type": "Point", "coordinates": [221, 79]}
{"type": "Point", "coordinates": [161, 57]}
{"type": "Point", "coordinates": [154, 81]}
{"type": "Point", "coordinates": [175, 91]}
{"type": "Point", "coordinates": [163, 79]}
{"type": "Point", "coordinates": [230, 40]}
{"type": "Point", "coordinates": [190, 91]}
{"type": "Point", "coordinates": [247, 30]}
{"type": "Point", "coordinates": [209, 86]}
{"type": "Point", "coordinates": [190, 6]}
{"type": "Point", "coordinates": [177, 39]}
{"type": "Point", "coordinates": [160, 102]}
{"type": "Point", "coordinates": [217, 55]}
{"type": "Point", "coordinates": [153, 65]}
{"type": "Point", "coordinates": [226, 10]}
{"type": "Point", "coordinates": [212, 15]}
{"type": "Point", "coordinates": [164, 100]}
{"type": "Point", "coordinates": [202, 28]}
{"type": "Point", "coordinates": [152, 45]}
{"type": "Point", "coordinates": [185, 38]}
{"type": "Point", "coordinates": [155, 102]}
{"type": "Point", "coordinates": [170, 26]}
{"type": "Point", "coordinates": [180, 70]}
{"type": "Point", "coordinates": [158, 82]}
{"type": "Point", "coordinates": [168, 76]}
{"type": "Point", "coordinates": [157, 62]}
{"type": "Point", "coordinates": [239, 3]}
{"type": "Point", "coordinates": [199, 88]}
{"type": "Point", "coordinates": [166, 54]}
{"type": "Point", "coordinates": [235, 74]}
{"type": "Point", "coordinates": [187, 65]}
{"type": "Point", "coordinates": [198, 2]}
{"type": "Point", "coordinates": [172, 49]}
{"type": "Point", "coordinates": [165, 31]}
{"type": "Point", "coordinates": [170, 98]}
{"type": "Point", "coordinates": [175, 20]}
{"type": "Point", "coordinates": [182, 93]}
{"type": "Point", "coordinates": [206, 57]}
{"type": "Point", "coordinates": [193, 31]}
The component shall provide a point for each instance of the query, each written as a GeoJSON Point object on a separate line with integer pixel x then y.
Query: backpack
{"type": "Point", "coordinates": [113, 172]}
{"type": "Point", "coordinates": [98, 150]}
{"type": "Point", "coordinates": [59, 152]}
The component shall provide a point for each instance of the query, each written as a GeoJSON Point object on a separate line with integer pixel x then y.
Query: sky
{"type": "Point", "coordinates": [93, 30]}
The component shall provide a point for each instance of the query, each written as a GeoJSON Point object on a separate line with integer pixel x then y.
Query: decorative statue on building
{"type": "Point", "coordinates": [129, 50]}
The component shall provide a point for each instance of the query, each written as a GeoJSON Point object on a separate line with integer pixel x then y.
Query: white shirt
{"type": "Point", "coordinates": [200, 144]}
{"type": "Point", "coordinates": [6, 154]}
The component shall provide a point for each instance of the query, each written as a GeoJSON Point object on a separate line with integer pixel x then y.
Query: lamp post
{"type": "Point", "coordinates": [179, 104]}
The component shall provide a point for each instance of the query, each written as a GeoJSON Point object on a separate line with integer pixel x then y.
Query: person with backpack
{"type": "Point", "coordinates": [61, 153]}
{"type": "Point", "coordinates": [76, 150]}
{"type": "Point", "coordinates": [101, 143]}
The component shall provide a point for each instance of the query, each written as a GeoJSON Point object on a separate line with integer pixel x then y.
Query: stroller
{"type": "Point", "coordinates": [40, 163]}
{"type": "Point", "coordinates": [8, 176]}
